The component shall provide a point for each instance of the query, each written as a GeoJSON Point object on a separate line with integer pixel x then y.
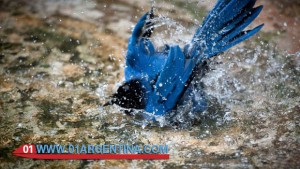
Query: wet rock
{"type": "Point", "coordinates": [71, 70]}
{"type": "Point", "coordinates": [125, 24]}
{"type": "Point", "coordinates": [60, 61]}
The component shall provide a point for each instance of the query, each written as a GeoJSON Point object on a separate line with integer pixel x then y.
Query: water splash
{"type": "Point", "coordinates": [231, 85]}
{"type": "Point", "coordinates": [168, 31]}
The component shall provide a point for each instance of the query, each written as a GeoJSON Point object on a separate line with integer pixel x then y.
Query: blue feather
{"type": "Point", "coordinates": [165, 77]}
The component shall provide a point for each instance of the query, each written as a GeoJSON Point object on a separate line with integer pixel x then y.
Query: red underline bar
{"type": "Point", "coordinates": [95, 156]}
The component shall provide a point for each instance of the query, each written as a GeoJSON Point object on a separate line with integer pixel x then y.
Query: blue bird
{"type": "Point", "coordinates": [160, 81]}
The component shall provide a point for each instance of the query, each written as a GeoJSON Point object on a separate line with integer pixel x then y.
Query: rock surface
{"type": "Point", "coordinates": [61, 60]}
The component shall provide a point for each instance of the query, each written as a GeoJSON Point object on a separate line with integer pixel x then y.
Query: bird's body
{"type": "Point", "coordinates": [159, 81]}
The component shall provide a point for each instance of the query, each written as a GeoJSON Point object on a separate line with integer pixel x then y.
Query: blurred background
{"type": "Point", "coordinates": [60, 60]}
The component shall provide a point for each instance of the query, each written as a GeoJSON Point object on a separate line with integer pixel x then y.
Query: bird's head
{"type": "Point", "coordinates": [129, 95]}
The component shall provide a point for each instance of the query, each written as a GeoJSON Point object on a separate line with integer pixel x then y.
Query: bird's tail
{"type": "Point", "coordinates": [223, 28]}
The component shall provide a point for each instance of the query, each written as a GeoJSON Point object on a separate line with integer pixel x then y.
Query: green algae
{"type": "Point", "coordinates": [51, 112]}
{"type": "Point", "coordinates": [39, 112]}
{"type": "Point", "coordinates": [9, 46]}
{"type": "Point", "coordinates": [52, 39]}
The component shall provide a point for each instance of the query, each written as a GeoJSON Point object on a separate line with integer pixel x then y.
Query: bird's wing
{"type": "Point", "coordinates": [171, 82]}
{"type": "Point", "coordinates": [223, 28]}
{"type": "Point", "coordinates": [141, 58]}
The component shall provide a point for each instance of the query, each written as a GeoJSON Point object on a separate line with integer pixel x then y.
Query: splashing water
{"type": "Point", "coordinates": [168, 31]}
{"type": "Point", "coordinates": [52, 88]}
{"type": "Point", "coordinates": [228, 85]}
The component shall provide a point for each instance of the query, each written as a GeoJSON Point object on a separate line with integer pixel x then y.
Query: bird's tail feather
{"type": "Point", "coordinates": [223, 28]}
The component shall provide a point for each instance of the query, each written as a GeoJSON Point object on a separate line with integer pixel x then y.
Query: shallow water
{"type": "Point", "coordinates": [60, 64]}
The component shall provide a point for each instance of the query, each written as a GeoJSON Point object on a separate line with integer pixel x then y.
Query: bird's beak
{"type": "Point", "coordinates": [110, 102]}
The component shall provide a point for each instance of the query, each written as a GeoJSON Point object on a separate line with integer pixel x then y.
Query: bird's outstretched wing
{"type": "Point", "coordinates": [171, 82]}
{"type": "Point", "coordinates": [166, 75]}
{"type": "Point", "coordinates": [142, 60]}
{"type": "Point", "coordinates": [223, 28]}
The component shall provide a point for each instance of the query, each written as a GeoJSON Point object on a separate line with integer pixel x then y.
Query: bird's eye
{"type": "Point", "coordinates": [126, 87]}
